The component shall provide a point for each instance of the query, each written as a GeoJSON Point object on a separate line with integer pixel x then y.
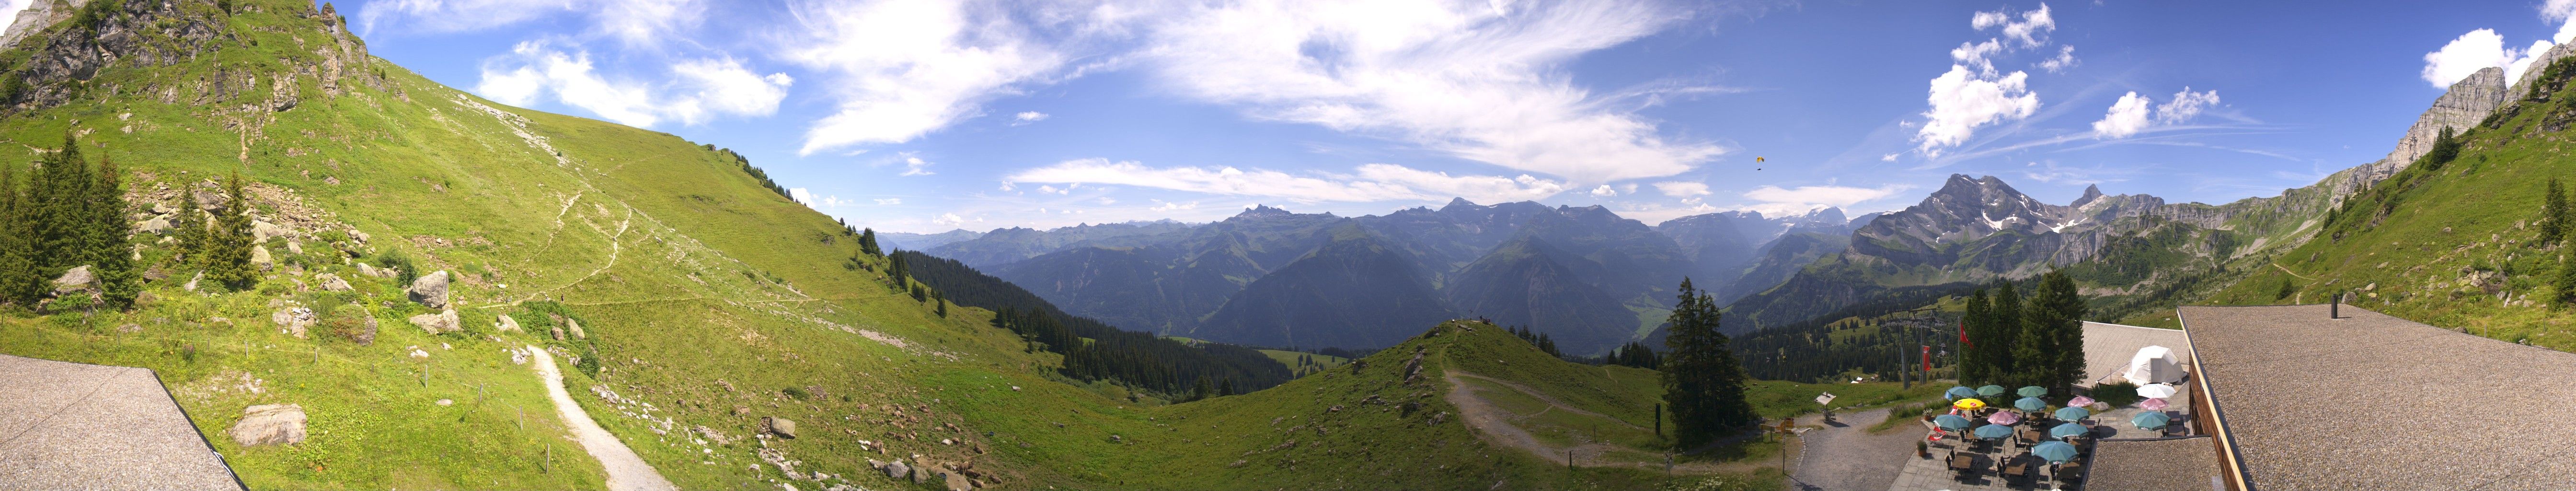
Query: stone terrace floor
{"type": "Point", "coordinates": [95, 427]}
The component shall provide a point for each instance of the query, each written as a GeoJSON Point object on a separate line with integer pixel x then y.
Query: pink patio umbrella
{"type": "Point", "coordinates": [2154, 404]}
{"type": "Point", "coordinates": [2079, 401]}
{"type": "Point", "coordinates": [2004, 418]}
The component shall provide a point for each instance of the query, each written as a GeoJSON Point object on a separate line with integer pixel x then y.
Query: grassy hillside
{"type": "Point", "coordinates": [2453, 244]}
{"type": "Point", "coordinates": [708, 302]}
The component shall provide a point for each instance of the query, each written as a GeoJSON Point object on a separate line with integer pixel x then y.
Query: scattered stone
{"type": "Point", "coordinates": [261, 231]}
{"type": "Point", "coordinates": [332, 282]}
{"type": "Point", "coordinates": [417, 353]}
{"type": "Point", "coordinates": [518, 357]}
{"type": "Point", "coordinates": [364, 269]}
{"type": "Point", "coordinates": [296, 248]}
{"type": "Point", "coordinates": [192, 281]}
{"type": "Point", "coordinates": [509, 325]}
{"type": "Point", "coordinates": [269, 424]}
{"type": "Point", "coordinates": [259, 257]}
{"type": "Point", "coordinates": [444, 402]}
{"type": "Point", "coordinates": [130, 329]}
{"type": "Point", "coordinates": [558, 332]}
{"type": "Point", "coordinates": [442, 322]}
{"type": "Point", "coordinates": [956, 482]}
{"type": "Point", "coordinates": [366, 336]}
{"type": "Point", "coordinates": [295, 320]}
{"type": "Point", "coordinates": [897, 470]}
{"type": "Point", "coordinates": [575, 326]}
{"type": "Point", "coordinates": [430, 290]}
{"type": "Point", "coordinates": [155, 226]}
{"type": "Point", "coordinates": [778, 426]}
{"type": "Point", "coordinates": [741, 410]}
{"type": "Point", "coordinates": [77, 279]}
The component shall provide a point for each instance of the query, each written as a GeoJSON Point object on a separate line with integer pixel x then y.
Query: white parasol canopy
{"type": "Point", "coordinates": [2153, 365]}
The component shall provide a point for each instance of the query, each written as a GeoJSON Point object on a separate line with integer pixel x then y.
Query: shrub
{"type": "Point", "coordinates": [797, 393]}
{"type": "Point", "coordinates": [2116, 394]}
{"type": "Point", "coordinates": [404, 272]}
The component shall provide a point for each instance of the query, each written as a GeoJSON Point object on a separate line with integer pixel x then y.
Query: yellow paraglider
{"type": "Point", "coordinates": [1757, 159]}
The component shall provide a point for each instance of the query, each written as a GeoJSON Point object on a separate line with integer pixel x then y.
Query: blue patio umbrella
{"type": "Point", "coordinates": [2030, 404]}
{"type": "Point", "coordinates": [2031, 391]}
{"type": "Point", "coordinates": [1993, 432]}
{"type": "Point", "coordinates": [2056, 452]}
{"type": "Point", "coordinates": [1951, 422]}
{"type": "Point", "coordinates": [2151, 420]}
{"type": "Point", "coordinates": [1990, 390]}
{"type": "Point", "coordinates": [1956, 393]}
{"type": "Point", "coordinates": [2072, 413]}
{"type": "Point", "coordinates": [2069, 429]}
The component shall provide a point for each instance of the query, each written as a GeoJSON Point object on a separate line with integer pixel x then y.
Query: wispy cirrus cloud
{"type": "Point", "coordinates": [1367, 183]}
{"type": "Point", "coordinates": [695, 91]}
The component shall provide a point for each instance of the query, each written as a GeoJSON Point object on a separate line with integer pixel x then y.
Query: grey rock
{"type": "Point", "coordinates": [259, 257]}
{"type": "Point", "coordinates": [558, 333]}
{"type": "Point", "coordinates": [163, 209]}
{"type": "Point", "coordinates": [956, 482]}
{"type": "Point", "coordinates": [296, 320]}
{"type": "Point", "coordinates": [209, 200]}
{"type": "Point", "coordinates": [2468, 102]}
{"type": "Point", "coordinates": [782, 427]}
{"type": "Point", "coordinates": [366, 336]}
{"type": "Point", "coordinates": [332, 282]}
{"type": "Point", "coordinates": [76, 279]}
{"type": "Point", "coordinates": [430, 290]}
{"type": "Point", "coordinates": [192, 281]}
{"type": "Point", "coordinates": [261, 231]}
{"type": "Point", "coordinates": [897, 470]}
{"type": "Point", "coordinates": [293, 247]}
{"type": "Point", "coordinates": [269, 424]}
{"type": "Point", "coordinates": [35, 18]}
{"type": "Point", "coordinates": [575, 327]}
{"type": "Point", "coordinates": [442, 322]}
{"type": "Point", "coordinates": [509, 325]}
{"type": "Point", "coordinates": [155, 226]}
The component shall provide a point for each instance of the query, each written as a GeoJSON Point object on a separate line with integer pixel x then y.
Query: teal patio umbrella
{"type": "Point", "coordinates": [2031, 391]}
{"type": "Point", "coordinates": [1990, 390]}
{"type": "Point", "coordinates": [1957, 393]}
{"type": "Point", "coordinates": [2055, 452]}
{"type": "Point", "coordinates": [2072, 413]}
{"type": "Point", "coordinates": [2067, 430]}
{"type": "Point", "coordinates": [2033, 403]}
{"type": "Point", "coordinates": [1951, 422]}
{"type": "Point", "coordinates": [1993, 431]}
{"type": "Point", "coordinates": [2151, 420]}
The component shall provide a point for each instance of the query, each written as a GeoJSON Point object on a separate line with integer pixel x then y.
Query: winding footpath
{"type": "Point", "coordinates": [626, 471]}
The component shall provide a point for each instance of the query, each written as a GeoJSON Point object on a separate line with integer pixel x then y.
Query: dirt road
{"type": "Point", "coordinates": [626, 472]}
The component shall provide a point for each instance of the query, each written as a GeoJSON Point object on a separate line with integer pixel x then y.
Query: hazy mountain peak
{"type": "Point", "coordinates": [1458, 203]}
{"type": "Point", "coordinates": [1263, 211]}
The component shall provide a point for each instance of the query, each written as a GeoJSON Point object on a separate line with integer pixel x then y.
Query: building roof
{"type": "Point", "coordinates": [2370, 401]}
{"type": "Point", "coordinates": [78, 426]}
{"type": "Point", "coordinates": [2107, 348]}
{"type": "Point", "coordinates": [2187, 464]}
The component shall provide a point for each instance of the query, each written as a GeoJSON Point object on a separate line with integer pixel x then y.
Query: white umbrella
{"type": "Point", "coordinates": [2156, 391]}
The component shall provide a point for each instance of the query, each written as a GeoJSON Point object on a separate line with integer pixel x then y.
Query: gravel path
{"type": "Point", "coordinates": [1850, 458]}
{"type": "Point", "coordinates": [626, 472]}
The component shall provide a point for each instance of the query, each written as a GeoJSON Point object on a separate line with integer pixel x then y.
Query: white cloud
{"type": "Point", "coordinates": [2065, 59]}
{"type": "Point", "coordinates": [1160, 205]}
{"type": "Point", "coordinates": [2127, 117]}
{"type": "Point", "coordinates": [950, 220]}
{"type": "Point", "coordinates": [1604, 191]}
{"type": "Point", "coordinates": [2029, 30]}
{"type": "Point", "coordinates": [2466, 55]}
{"type": "Point", "coordinates": [1962, 101]}
{"type": "Point", "coordinates": [1978, 55]}
{"type": "Point", "coordinates": [915, 166]}
{"type": "Point", "coordinates": [889, 201]}
{"type": "Point", "coordinates": [633, 21]}
{"type": "Point", "coordinates": [2558, 10]}
{"type": "Point", "coordinates": [1682, 189]}
{"type": "Point", "coordinates": [800, 195]}
{"type": "Point", "coordinates": [1026, 117]}
{"type": "Point", "coordinates": [904, 68]}
{"type": "Point", "coordinates": [2132, 114]}
{"type": "Point", "coordinates": [1775, 201]}
{"type": "Point", "coordinates": [1370, 183]}
{"type": "Point", "coordinates": [1481, 81]}
{"type": "Point", "coordinates": [700, 90]}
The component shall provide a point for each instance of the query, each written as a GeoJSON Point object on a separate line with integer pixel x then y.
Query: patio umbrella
{"type": "Point", "coordinates": [2030, 404]}
{"type": "Point", "coordinates": [1950, 422]}
{"type": "Point", "coordinates": [2072, 413]}
{"type": "Point", "coordinates": [2004, 418]}
{"type": "Point", "coordinates": [2151, 420]}
{"type": "Point", "coordinates": [1969, 404]}
{"type": "Point", "coordinates": [2069, 429]}
{"type": "Point", "coordinates": [2057, 452]}
{"type": "Point", "coordinates": [1959, 392]}
{"type": "Point", "coordinates": [2032, 391]}
{"type": "Point", "coordinates": [1994, 432]}
{"type": "Point", "coordinates": [2156, 391]}
{"type": "Point", "coordinates": [2154, 404]}
{"type": "Point", "coordinates": [2079, 401]}
{"type": "Point", "coordinates": [1990, 390]}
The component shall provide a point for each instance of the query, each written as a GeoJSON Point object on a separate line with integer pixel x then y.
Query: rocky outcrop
{"type": "Point", "coordinates": [782, 427]}
{"type": "Point", "coordinates": [430, 290]}
{"type": "Point", "coordinates": [38, 15]}
{"type": "Point", "coordinates": [77, 279]}
{"type": "Point", "coordinates": [442, 322]}
{"type": "Point", "coordinates": [269, 424]}
{"type": "Point", "coordinates": [2468, 102]}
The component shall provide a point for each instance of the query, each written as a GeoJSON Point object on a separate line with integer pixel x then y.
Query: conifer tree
{"type": "Point", "coordinates": [2566, 283]}
{"type": "Point", "coordinates": [20, 281]}
{"type": "Point", "coordinates": [868, 242]}
{"type": "Point", "coordinates": [59, 197]}
{"type": "Point", "coordinates": [110, 254]}
{"type": "Point", "coordinates": [2004, 326]}
{"type": "Point", "coordinates": [2055, 324]}
{"type": "Point", "coordinates": [1702, 381]}
{"type": "Point", "coordinates": [940, 300]}
{"type": "Point", "coordinates": [1974, 366]}
{"type": "Point", "coordinates": [1204, 390]}
{"type": "Point", "coordinates": [2553, 213]}
{"type": "Point", "coordinates": [188, 227]}
{"type": "Point", "coordinates": [227, 252]}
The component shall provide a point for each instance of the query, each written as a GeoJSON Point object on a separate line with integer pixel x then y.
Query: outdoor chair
{"type": "Point", "coordinates": [2070, 472]}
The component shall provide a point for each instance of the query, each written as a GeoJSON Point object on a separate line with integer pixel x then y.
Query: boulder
{"type": "Point", "coordinates": [269, 424]}
{"type": "Point", "coordinates": [155, 226]}
{"type": "Point", "coordinates": [897, 470]}
{"type": "Point", "coordinates": [575, 327]}
{"type": "Point", "coordinates": [509, 325]}
{"type": "Point", "coordinates": [956, 482]}
{"type": "Point", "coordinates": [259, 257]}
{"type": "Point", "coordinates": [293, 247]}
{"type": "Point", "coordinates": [364, 269]}
{"type": "Point", "coordinates": [332, 282]}
{"type": "Point", "coordinates": [296, 320]}
{"type": "Point", "coordinates": [558, 332]}
{"type": "Point", "coordinates": [77, 279]}
{"type": "Point", "coordinates": [209, 200]}
{"type": "Point", "coordinates": [261, 231]}
{"type": "Point", "coordinates": [430, 290]}
{"type": "Point", "coordinates": [782, 427]}
{"type": "Point", "coordinates": [442, 322]}
{"type": "Point", "coordinates": [163, 209]}
{"type": "Point", "coordinates": [366, 336]}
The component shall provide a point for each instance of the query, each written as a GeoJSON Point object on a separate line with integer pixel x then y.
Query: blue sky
{"type": "Point", "coordinates": [928, 115]}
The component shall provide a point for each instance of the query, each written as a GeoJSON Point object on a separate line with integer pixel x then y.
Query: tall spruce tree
{"type": "Point", "coordinates": [868, 242]}
{"type": "Point", "coordinates": [60, 197]}
{"type": "Point", "coordinates": [1974, 366]}
{"type": "Point", "coordinates": [2553, 213]}
{"type": "Point", "coordinates": [188, 227]}
{"type": "Point", "coordinates": [1702, 381]}
{"type": "Point", "coordinates": [2057, 313]}
{"type": "Point", "coordinates": [21, 283]}
{"type": "Point", "coordinates": [110, 252]}
{"type": "Point", "coordinates": [2004, 326]}
{"type": "Point", "coordinates": [228, 245]}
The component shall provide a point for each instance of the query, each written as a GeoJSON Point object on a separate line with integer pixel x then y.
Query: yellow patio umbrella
{"type": "Point", "coordinates": [1969, 404]}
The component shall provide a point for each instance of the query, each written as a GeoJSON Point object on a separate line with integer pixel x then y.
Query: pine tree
{"type": "Point", "coordinates": [868, 242]}
{"type": "Point", "coordinates": [1226, 388]}
{"type": "Point", "coordinates": [2056, 320]}
{"type": "Point", "coordinates": [2566, 283]}
{"type": "Point", "coordinates": [941, 300]}
{"type": "Point", "coordinates": [895, 270]}
{"type": "Point", "coordinates": [2004, 326]}
{"type": "Point", "coordinates": [227, 258]}
{"type": "Point", "coordinates": [188, 227]}
{"type": "Point", "coordinates": [59, 197]}
{"type": "Point", "coordinates": [1702, 381]}
{"type": "Point", "coordinates": [110, 253]}
{"type": "Point", "coordinates": [20, 281]}
{"type": "Point", "coordinates": [1974, 366]}
{"type": "Point", "coordinates": [2553, 213]}
{"type": "Point", "coordinates": [1204, 390]}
